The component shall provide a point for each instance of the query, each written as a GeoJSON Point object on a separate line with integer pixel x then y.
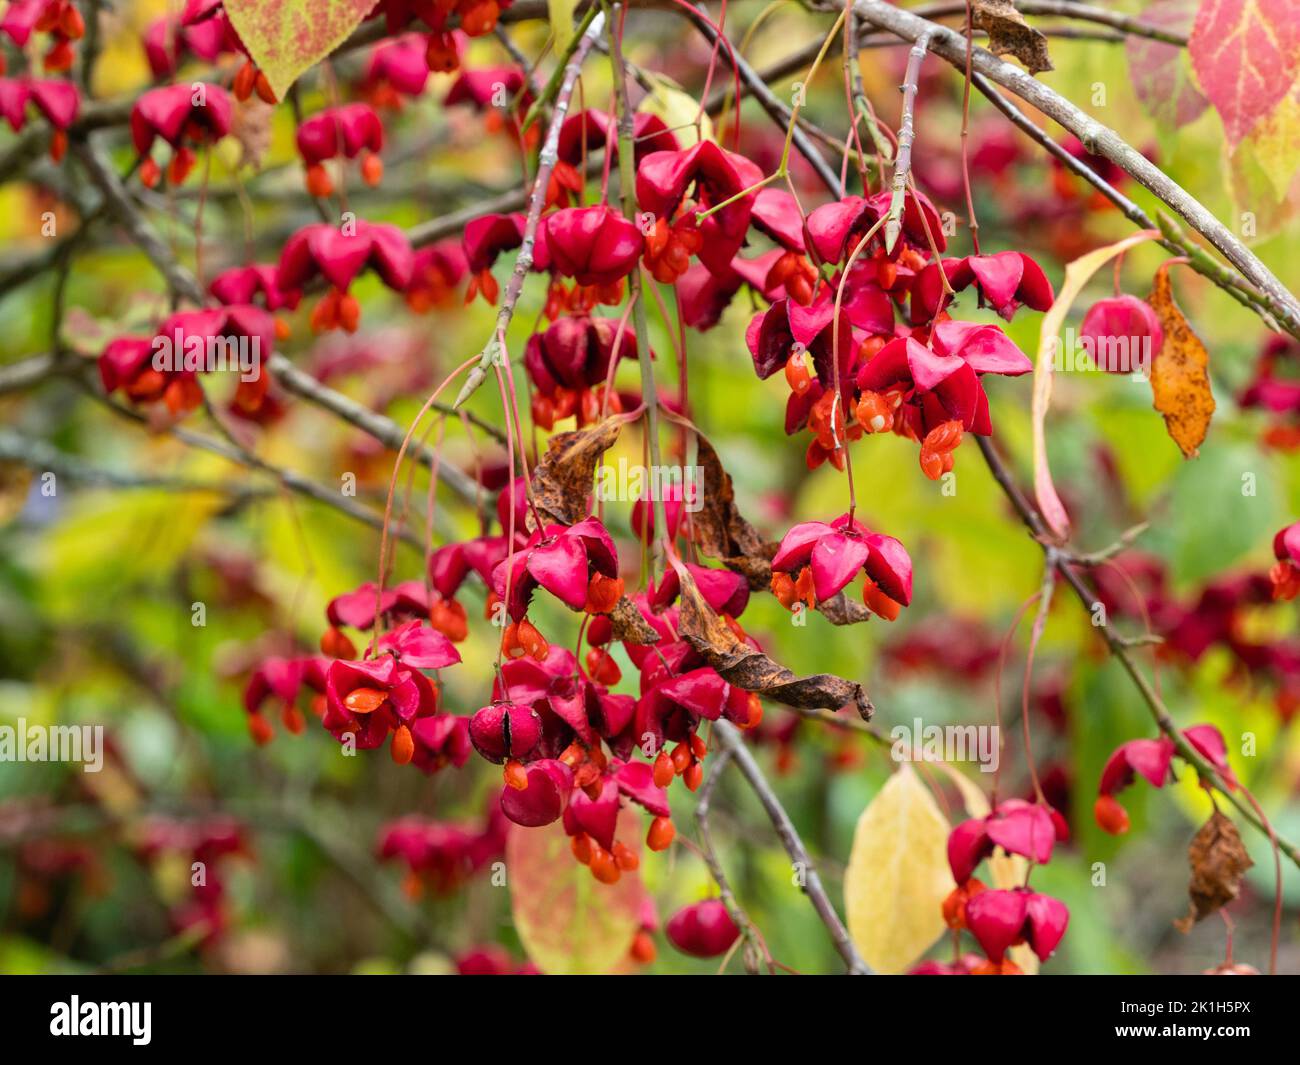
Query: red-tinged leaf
{"type": "Point", "coordinates": [1246, 54]}
{"type": "Point", "coordinates": [1252, 183]}
{"type": "Point", "coordinates": [1162, 73]}
{"type": "Point", "coordinates": [286, 37]}
{"type": "Point", "coordinates": [568, 922]}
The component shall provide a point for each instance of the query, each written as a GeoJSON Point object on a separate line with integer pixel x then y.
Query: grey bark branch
{"type": "Point", "coordinates": [1097, 138]}
{"type": "Point", "coordinates": [730, 741]}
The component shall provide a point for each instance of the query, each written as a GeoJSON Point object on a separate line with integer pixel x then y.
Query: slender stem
{"type": "Point", "coordinates": [906, 134]}
{"type": "Point", "coordinates": [627, 189]}
{"type": "Point", "coordinates": [536, 201]}
{"type": "Point", "coordinates": [729, 740]}
{"type": "Point", "coordinates": [1099, 139]}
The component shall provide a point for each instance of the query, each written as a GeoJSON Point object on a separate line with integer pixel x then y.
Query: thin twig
{"type": "Point", "coordinates": [1097, 139]}
{"type": "Point", "coordinates": [754, 944]}
{"type": "Point", "coordinates": [536, 201]}
{"type": "Point", "coordinates": [906, 134]}
{"type": "Point", "coordinates": [729, 740]}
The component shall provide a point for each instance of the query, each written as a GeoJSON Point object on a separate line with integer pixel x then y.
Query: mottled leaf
{"type": "Point", "coordinates": [630, 626]}
{"type": "Point", "coordinates": [1180, 378]}
{"type": "Point", "coordinates": [568, 922]}
{"type": "Point", "coordinates": [898, 876]}
{"type": "Point", "coordinates": [287, 37]}
{"type": "Point", "coordinates": [1162, 73]}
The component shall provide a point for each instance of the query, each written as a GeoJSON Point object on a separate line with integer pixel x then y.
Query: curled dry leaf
{"type": "Point", "coordinates": [719, 530]}
{"type": "Point", "coordinates": [1180, 379]}
{"type": "Point", "coordinates": [743, 666]}
{"type": "Point", "coordinates": [251, 127]}
{"type": "Point", "coordinates": [1010, 33]}
{"type": "Point", "coordinates": [629, 625]}
{"type": "Point", "coordinates": [562, 481]}
{"type": "Point", "coordinates": [1218, 862]}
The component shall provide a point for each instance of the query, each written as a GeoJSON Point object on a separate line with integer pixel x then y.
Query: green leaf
{"type": "Point", "coordinates": [560, 13]}
{"type": "Point", "coordinates": [287, 37]}
{"type": "Point", "coordinates": [677, 108]}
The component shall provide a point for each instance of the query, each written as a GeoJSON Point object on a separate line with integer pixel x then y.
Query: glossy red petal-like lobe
{"type": "Point", "coordinates": [797, 545]}
{"type": "Point", "coordinates": [561, 568]}
{"type": "Point", "coordinates": [636, 781]}
{"type": "Point", "coordinates": [996, 919]}
{"type": "Point", "coordinates": [1024, 828]}
{"type": "Point", "coordinates": [836, 560]}
{"type": "Point", "coordinates": [890, 566]}
{"type": "Point", "coordinates": [550, 782]}
{"type": "Point", "coordinates": [968, 845]}
{"type": "Point", "coordinates": [1048, 919]}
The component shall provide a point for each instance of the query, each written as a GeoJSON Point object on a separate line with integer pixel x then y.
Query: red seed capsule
{"type": "Point", "coordinates": [661, 834]}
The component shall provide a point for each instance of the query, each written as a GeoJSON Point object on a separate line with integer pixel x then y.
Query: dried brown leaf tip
{"type": "Point", "coordinates": [563, 479]}
{"type": "Point", "coordinates": [630, 625]}
{"type": "Point", "coordinates": [1010, 33]}
{"type": "Point", "coordinates": [746, 667]}
{"type": "Point", "coordinates": [1180, 376]}
{"type": "Point", "coordinates": [720, 530]}
{"type": "Point", "coordinates": [1218, 862]}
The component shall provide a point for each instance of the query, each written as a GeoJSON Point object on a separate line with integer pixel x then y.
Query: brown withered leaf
{"type": "Point", "coordinates": [840, 609]}
{"type": "Point", "coordinates": [562, 481]}
{"type": "Point", "coordinates": [1010, 33]}
{"type": "Point", "coordinates": [629, 625]}
{"type": "Point", "coordinates": [720, 530]}
{"type": "Point", "coordinates": [1180, 378]}
{"type": "Point", "coordinates": [250, 125]}
{"type": "Point", "coordinates": [1218, 862]}
{"type": "Point", "coordinates": [741, 665]}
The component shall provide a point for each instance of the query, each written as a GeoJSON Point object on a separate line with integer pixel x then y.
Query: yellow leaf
{"type": "Point", "coordinates": [898, 875]}
{"type": "Point", "coordinates": [105, 541]}
{"type": "Point", "coordinates": [678, 109]}
{"type": "Point", "coordinates": [560, 12]}
{"type": "Point", "coordinates": [1180, 377]}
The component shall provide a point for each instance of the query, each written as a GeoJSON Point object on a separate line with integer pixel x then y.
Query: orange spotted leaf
{"type": "Point", "coordinates": [1180, 379]}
